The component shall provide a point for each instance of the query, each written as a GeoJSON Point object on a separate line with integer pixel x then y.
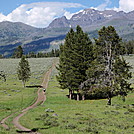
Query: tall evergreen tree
{"type": "Point", "coordinates": [76, 55]}
{"type": "Point", "coordinates": [23, 70]}
{"type": "Point", "coordinates": [111, 78]}
{"type": "Point", "coordinates": [64, 63]}
{"type": "Point", "coordinates": [122, 74]}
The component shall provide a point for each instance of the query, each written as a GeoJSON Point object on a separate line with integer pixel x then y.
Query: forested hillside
{"type": "Point", "coordinates": [40, 39]}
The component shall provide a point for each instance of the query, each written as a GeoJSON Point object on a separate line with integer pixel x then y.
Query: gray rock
{"type": "Point", "coordinates": [55, 115]}
{"type": "Point", "coordinates": [49, 110]}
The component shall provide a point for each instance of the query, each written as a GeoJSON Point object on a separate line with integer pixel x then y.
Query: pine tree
{"type": "Point", "coordinates": [18, 52]}
{"type": "Point", "coordinates": [108, 56]}
{"type": "Point", "coordinates": [64, 63]}
{"type": "Point", "coordinates": [76, 55]}
{"type": "Point", "coordinates": [23, 70]}
{"type": "Point", "coordinates": [122, 74]}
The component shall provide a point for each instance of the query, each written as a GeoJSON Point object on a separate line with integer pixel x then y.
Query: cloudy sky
{"type": "Point", "coordinates": [40, 13]}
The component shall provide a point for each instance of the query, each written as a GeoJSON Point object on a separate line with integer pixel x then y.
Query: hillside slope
{"type": "Point", "coordinates": [39, 39]}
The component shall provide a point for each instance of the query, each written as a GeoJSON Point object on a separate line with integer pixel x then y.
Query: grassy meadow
{"type": "Point", "coordinates": [13, 97]}
{"type": "Point", "coordinates": [59, 114]}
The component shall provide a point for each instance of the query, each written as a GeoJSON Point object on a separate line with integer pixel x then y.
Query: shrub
{"type": "Point", "coordinates": [130, 109]}
{"type": "Point", "coordinates": [48, 120]}
{"type": "Point", "coordinates": [49, 110]}
{"type": "Point", "coordinates": [51, 122]}
{"type": "Point", "coordinates": [70, 126]}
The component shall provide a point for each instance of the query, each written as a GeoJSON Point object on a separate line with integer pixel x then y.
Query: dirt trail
{"type": "Point", "coordinates": [40, 100]}
{"type": "Point", "coordinates": [3, 122]}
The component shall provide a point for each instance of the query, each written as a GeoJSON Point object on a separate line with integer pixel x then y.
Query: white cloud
{"type": "Point", "coordinates": [39, 14]}
{"type": "Point", "coordinates": [2, 17]}
{"type": "Point", "coordinates": [69, 15]}
{"type": "Point", "coordinates": [104, 5]}
{"type": "Point", "coordinates": [126, 5]}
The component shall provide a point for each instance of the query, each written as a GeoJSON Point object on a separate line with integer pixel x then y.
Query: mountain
{"type": "Point", "coordinates": [59, 23]}
{"type": "Point", "coordinates": [32, 39]}
{"type": "Point", "coordinates": [92, 20]}
{"type": "Point", "coordinates": [16, 32]}
{"type": "Point", "coordinates": [40, 39]}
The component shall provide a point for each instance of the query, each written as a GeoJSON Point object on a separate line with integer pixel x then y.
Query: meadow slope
{"type": "Point", "coordinates": [60, 115]}
{"type": "Point", "coordinates": [13, 97]}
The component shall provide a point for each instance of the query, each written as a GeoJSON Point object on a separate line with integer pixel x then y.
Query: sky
{"type": "Point", "coordinates": [40, 13]}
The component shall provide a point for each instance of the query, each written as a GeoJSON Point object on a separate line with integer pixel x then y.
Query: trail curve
{"type": "Point", "coordinates": [40, 100]}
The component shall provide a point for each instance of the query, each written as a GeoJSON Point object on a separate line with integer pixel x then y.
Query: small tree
{"type": "Point", "coordinates": [18, 52]}
{"type": "Point", "coordinates": [23, 70]}
{"type": "Point", "coordinates": [2, 75]}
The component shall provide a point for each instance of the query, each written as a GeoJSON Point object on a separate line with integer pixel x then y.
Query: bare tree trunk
{"type": "Point", "coordinates": [109, 71]}
{"type": "Point", "coordinates": [109, 98]}
{"type": "Point", "coordinates": [70, 93]}
{"type": "Point", "coordinates": [83, 97]}
{"type": "Point", "coordinates": [123, 98]}
{"type": "Point", "coordinates": [23, 82]}
{"type": "Point", "coordinates": [109, 101]}
{"type": "Point", "coordinates": [78, 97]}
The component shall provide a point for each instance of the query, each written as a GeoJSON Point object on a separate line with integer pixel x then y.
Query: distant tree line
{"type": "Point", "coordinates": [127, 49]}
{"type": "Point", "coordinates": [18, 53]}
{"type": "Point", "coordinates": [53, 53]}
{"type": "Point", "coordinates": [1, 56]}
{"type": "Point", "coordinates": [94, 70]}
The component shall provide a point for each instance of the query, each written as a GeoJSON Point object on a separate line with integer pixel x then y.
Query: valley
{"type": "Point", "coordinates": [58, 114]}
{"type": "Point", "coordinates": [40, 39]}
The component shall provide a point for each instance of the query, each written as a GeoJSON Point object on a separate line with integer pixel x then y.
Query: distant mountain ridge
{"type": "Point", "coordinates": [39, 39]}
{"type": "Point", "coordinates": [90, 17]}
{"type": "Point", "coordinates": [14, 32]}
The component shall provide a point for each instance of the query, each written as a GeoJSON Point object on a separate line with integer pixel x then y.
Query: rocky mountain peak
{"type": "Point", "coordinates": [37, 39]}
{"type": "Point", "coordinates": [90, 17]}
{"type": "Point", "coordinates": [130, 15]}
{"type": "Point", "coordinates": [59, 22]}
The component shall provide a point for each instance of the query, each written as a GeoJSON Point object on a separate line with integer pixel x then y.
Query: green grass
{"type": "Point", "coordinates": [78, 117]}
{"type": "Point", "coordinates": [13, 97]}
{"type": "Point", "coordinates": [75, 117]}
